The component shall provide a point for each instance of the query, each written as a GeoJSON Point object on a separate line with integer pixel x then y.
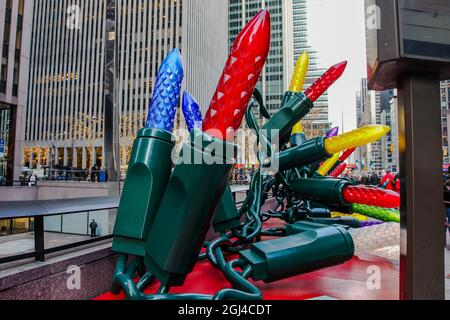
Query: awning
{"type": "Point", "coordinates": [24, 209]}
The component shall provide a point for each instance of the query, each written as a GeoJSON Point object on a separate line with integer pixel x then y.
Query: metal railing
{"type": "Point", "coordinates": [40, 251]}
{"type": "Point", "coordinates": [9, 183]}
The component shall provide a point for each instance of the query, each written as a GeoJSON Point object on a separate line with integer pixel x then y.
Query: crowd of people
{"type": "Point", "coordinates": [386, 180]}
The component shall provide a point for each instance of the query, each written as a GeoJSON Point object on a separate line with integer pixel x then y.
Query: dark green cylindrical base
{"type": "Point", "coordinates": [187, 208]}
{"type": "Point", "coordinates": [227, 216]}
{"type": "Point", "coordinates": [320, 189]}
{"type": "Point", "coordinates": [294, 107]}
{"type": "Point", "coordinates": [309, 152]}
{"type": "Point", "coordinates": [148, 174]}
{"type": "Point", "coordinates": [313, 248]}
{"type": "Point", "coordinates": [320, 213]}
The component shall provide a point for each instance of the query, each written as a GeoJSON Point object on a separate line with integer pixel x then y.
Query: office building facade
{"type": "Point", "coordinates": [279, 67]}
{"type": "Point", "coordinates": [317, 122]}
{"type": "Point", "coordinates": [65, 110]}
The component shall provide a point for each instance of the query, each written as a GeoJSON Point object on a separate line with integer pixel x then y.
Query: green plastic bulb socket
{"type": "Point", "coordinates": [325, 190]}
{"type": "Point", "coordinates": [293, 108]}
{"type": "Point", "coordinates": [191, 199]}
{"type": "Point", "coordinates": [227, 216]}
{"type": "Point", "coordinates": [148, 174]}
{"type": "Point", "coordinates": [311, 249]}
{"type": "Point", "coordinates": [305, 154]}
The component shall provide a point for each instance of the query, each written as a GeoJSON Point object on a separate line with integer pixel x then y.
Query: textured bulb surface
{"type": "Point", "coordinates": [300, 72]}
{"type": "Point", "coordinates": [298, 128]}
{"type": "Point", "coordinates": [326, 167]}
{"type": "Point", "coordinates": [333, 132]}
{"type": "Point", "coordinates": [166, 93]}
{"type": "Point", "coordinates": [326, 81]}
{"type": "Point", "coordinates": [339, 170]}
{"type": "Point", "coordinates": [347, 154]}
{"type": "Point", "coordinates": [382, 214]}
{"type": "Point", "coordinates": [191, 111]}
{"type": "Point", "coordinates": [354, 139]}
{"type": "Point", "coordinates": [239, 78]}
{"type": "Point", "coordinates": [371, 196]}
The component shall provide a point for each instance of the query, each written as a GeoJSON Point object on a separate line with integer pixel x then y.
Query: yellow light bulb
{"type": "Point", "coordinates": [355, 139]}
{"type": "Point", "coordinates": [355, 215]}
{"type": "Point", "coordinates": [299, 77]}
{"type": "Point", "coordinates": [326, 167]}
{"type": "Point", "coordinates": [298, 128]}
{"type": "Point", "coordinates": [298, 81]}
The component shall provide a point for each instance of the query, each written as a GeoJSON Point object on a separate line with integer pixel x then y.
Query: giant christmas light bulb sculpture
{"type": "Point", "coordinates": [150, 163]}
{"type": "Point", "coordinates": [339, 170]}
{"type": "Point", "coordinates": [321, 149]}
{"type": "Point", "coordinates": [192, 112]}
{"type": "Point", "coordinates": [166, 93]}
{"type": "Point", "coordinates": [298, 137]}
{"type": "Point", "coordinates": [189, 204]}
{"type": "Point", "coordinates": [295, 106]}
{"type": "Point", "coordinates": [382, 214]}
{"type": "Point", "coordinates": [166, 220]}
{"type": "Point", "coordinates": [239, 79]}
{"type": "Point", "coordinates": [326, 81]}
{"type": "Point", "coordinates": [340, 166]}
{"type": "Point", "coordinates": [326, 167]}
{"type": "Point", "coordinates": [356, 138]}
{"type": "Point", "coordinates": [371, 196]}
{"type": "Point", "coordinates": [339, 192]}
{"type": "Point", "coordinates": [346, 154]}
{"type": "Point", "coordinates": [300, 72]}
{"type": "Point", "coordinates": [333, 132]}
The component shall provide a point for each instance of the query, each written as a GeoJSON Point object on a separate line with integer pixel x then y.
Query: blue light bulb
{"type": "Point", "coordinates": [166, 93]}
{"type": "Point", "coordinates": [191, 111]}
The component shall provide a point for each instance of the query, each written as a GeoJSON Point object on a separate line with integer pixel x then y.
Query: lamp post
{"type": "Point", "coordinates": [409, 51]}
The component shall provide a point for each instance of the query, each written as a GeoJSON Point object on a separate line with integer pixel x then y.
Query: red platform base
{"type": "Point", "coordinates": [344, 282]}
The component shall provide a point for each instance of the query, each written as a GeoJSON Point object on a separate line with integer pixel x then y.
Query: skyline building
{"type": "Point", "coordinates": [15, 32]}
{"type": "Point", "coordinates": [65, 110]}
{"type": "Point", "coordinates": [279, 67]}
{"type": "Point", "coordinates": [368, 112]}
{"type": "Point", "coordinates": [317, 122]}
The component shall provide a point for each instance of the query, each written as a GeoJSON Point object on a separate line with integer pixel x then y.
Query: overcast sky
{"type": "Point", "coordinates": [337, 30]}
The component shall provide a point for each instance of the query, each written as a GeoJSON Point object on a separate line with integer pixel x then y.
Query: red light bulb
{"type": "Point", "coordinates": [371, 196]}
{"type": "Point", "coordinates": [346, 155]}
{"type": "Point", "coordinates": [239, 78]}
{"type": "Point", "coordinates": [339, 170]}
{"type": "Point", "coordinates": [326, 81]}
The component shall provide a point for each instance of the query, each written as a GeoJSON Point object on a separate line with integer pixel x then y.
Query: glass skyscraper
{"type": "Point", "coordinates": [280, 63]}
{"type": "Point", "coordinates": [317, 122]}
{"type": "Point", "coordinates": [66, 101]}
{"type": "Point", "coordinates": [15, 32]}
